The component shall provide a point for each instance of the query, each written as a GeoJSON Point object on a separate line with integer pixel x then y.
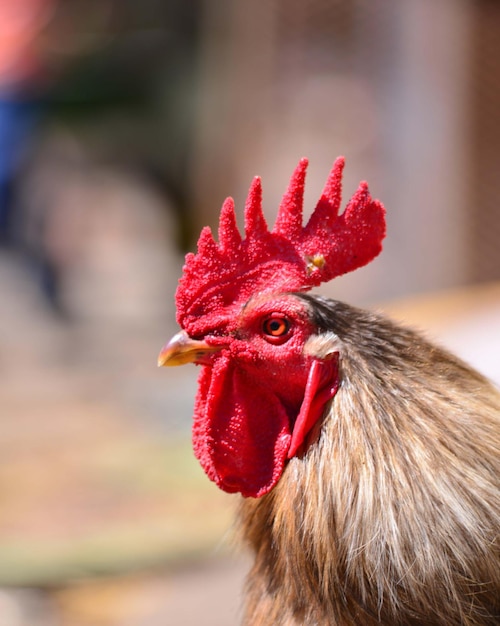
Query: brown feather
{"type": "Point", "coordinates": [391, 515]}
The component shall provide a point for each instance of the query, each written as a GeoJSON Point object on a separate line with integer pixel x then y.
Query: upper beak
{"type": "Point", "coordinates": [182, 349]}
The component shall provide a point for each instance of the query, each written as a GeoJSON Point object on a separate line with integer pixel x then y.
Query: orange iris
{"type": "Point", "coordinates": [276, 326]}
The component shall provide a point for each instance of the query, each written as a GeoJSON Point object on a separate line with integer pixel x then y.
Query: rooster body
{"type": "Point", "coordinates": [368, 458]}
{"type": "Point", "coordinates": [391, 514]}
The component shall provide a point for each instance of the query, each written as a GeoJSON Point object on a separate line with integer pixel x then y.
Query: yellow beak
{"type": "Point", "coordinates": [181, 349]}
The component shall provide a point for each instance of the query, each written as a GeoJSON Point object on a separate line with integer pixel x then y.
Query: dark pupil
{"type": "Point", "coordinates": [275, 325]}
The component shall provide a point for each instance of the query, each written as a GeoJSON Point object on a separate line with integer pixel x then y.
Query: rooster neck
{"type": "Point", "coordinates": [391, 516]}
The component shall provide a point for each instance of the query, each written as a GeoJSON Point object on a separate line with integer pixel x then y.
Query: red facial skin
{"type": "Point", "coordinates": [250, 394]}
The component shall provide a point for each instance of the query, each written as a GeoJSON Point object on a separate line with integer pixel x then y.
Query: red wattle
{"type": "Point", "coordinates": [322, 385]}
{"type": "Point", "coordinates": [240, 437]}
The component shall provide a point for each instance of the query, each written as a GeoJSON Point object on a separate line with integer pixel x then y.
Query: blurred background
{"type": "Point", "coordinates": [123, 126]}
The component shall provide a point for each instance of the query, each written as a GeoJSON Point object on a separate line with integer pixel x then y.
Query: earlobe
{"type": "Point", "coordinates": [323, 346]}
{"type": "Point", "coordinates": [322, 384]}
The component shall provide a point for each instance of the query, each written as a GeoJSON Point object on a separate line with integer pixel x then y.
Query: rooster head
{"type": "Point", "coordinates": [263, 386]}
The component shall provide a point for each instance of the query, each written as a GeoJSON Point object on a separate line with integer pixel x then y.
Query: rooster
{"type": "Point", "coordinates": [367, 457]}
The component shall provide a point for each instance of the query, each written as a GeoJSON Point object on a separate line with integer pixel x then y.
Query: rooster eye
{"type": "Point", "coordinates": [276, 326]}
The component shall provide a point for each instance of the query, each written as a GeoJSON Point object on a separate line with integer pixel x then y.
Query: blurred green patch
{"type": "Point", "coordinates": [127, 506]}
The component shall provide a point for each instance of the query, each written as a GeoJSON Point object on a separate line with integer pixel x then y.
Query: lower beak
{"type": "Point", "coordinates": [181, 349]}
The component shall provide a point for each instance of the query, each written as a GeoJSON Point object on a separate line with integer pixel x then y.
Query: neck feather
{"type": "Point", "coordinates": [391, 514]}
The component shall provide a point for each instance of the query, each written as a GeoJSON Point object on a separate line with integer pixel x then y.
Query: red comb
{"type": "Point", "coordinates": [288, 258]}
